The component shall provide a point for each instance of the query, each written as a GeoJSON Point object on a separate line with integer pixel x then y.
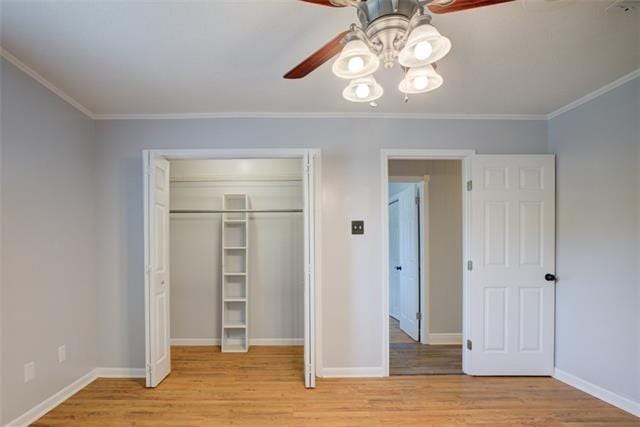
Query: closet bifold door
{"type": "Point", "coordinates": [235, 274]}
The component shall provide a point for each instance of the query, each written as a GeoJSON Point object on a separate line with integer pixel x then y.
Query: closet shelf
{"type": "Point", "coordinates": [234, 248]}
{"type": "Point", "coordinates": [235, 348]}
{"type": "Point", "coordinates": [235, 274]}
{"type": "Point", "coordinates": [235, 300]}
{"type": "Point", "coordinates": [235, 326]}
{"type": "Point", "coordinates": [234, 221]}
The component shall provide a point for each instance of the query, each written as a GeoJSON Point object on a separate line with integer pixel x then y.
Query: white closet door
{"type": "Point", "coordinates": [409, 274]}
{"type": "Point", "coordinates": [159, 346]}
{"type": "Point", "coordinates": [513, 241]}
{"type": "Point", "coordinates": [309, 285]}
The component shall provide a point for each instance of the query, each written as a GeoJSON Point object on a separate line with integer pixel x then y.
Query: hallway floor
{"type": "Point", "coordinates": [408, 357]}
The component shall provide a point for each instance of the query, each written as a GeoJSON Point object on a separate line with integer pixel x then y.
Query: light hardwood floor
{"type": "Point", "coordinates": [408, 357]}
{"type": "Point", "coordinates": [264, 387]}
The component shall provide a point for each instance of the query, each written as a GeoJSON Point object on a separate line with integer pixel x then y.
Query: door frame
{"type": "Point", "coordinates": [423, 248]}
{"type": "Point", "coordinates": [424, 154]}
{"type": "Point", "coordinates": [313, 191]}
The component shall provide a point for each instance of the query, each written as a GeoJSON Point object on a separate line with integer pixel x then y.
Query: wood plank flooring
{"type": "Point", "coordinates": [264, 388]}
{"type": "Point", "coordinates": [407, 357]}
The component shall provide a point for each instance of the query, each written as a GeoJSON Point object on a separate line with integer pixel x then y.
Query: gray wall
{"type": "Point", "coordinates": [351, 319]}
{"type": "Point", "coordinates": [598, 238]}
{"type": "Point", "coordinates": [48, 241]}
{"type": "Point", "coordinates": [444, 241]}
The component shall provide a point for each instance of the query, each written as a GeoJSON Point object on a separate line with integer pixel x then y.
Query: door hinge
{"type": "Point", "coordinates": [469, 345]}
{"type": "Point", "coordinates": [149, 369]}
{"type": "Point", "coordinates": [148, 269]}
{"type": "Point", "coordinates": [418, 315]}
{"type": "Point", "coordinates": [469, 185]}
{"type": "Point", "coordinates": [417, 200]}
{"type": "Point", "coordinates": [469, 265]}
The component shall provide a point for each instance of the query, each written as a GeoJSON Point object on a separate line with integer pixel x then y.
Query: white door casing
{"type": "Point", "coordinates": [409, 275]}
{"type": "Point", "coordinates": [308, 163]}
{"type": "Point", "coordinates": [512, 249]}
{"type": "Point", "coordinates": [159, 345]}
{"type": "Point", "coordinates": [394, 260]}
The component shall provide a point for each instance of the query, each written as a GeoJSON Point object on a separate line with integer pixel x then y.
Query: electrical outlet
{"type": "Point", "coordinates": [62, 353]}
{"type": "Point", "coordinates": [29, 372]}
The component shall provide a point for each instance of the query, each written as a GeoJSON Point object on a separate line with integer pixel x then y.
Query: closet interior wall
{"type": "Point", "coordinates": [276, 249]}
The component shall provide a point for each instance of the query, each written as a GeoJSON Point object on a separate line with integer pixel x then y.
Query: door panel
{"type": "Point", "coordinates": [513, 240]}
{"type": "Point", "coordinates": [394, 260]}
{"type": "Point", "coordinates": [409, 275]}
{"type": "Point", "coordinates": [159, 333]}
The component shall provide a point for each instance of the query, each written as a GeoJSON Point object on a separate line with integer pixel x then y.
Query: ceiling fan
{"type": "Point", "coordinates": [388, 31]}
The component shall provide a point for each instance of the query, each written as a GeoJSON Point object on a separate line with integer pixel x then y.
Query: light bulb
{"type": "Point", "coordinates": [423, 50]}
{"type": "Point", "coordinates": [421, 82]}
{"type": "Point", "coordinates": [355, 64]}
{"type": "Point", "coordinates": [362, 91]}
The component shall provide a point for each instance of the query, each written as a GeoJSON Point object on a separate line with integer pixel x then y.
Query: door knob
{"type": "Point", "coordinates": [550, 277]}
{"type": "Point", "coordinates": [398, 267]}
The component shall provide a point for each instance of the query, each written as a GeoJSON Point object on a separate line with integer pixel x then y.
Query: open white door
{"type": "Point", "coordinates": [394, 260]}
{"type": "Point", "coordinates": [409, 275]}
{"type": "Point", "coordinates": [511, 303]}
{"type": "Point", "coordinates": [309, 276]}
{"type": "Point", "coordinates": [158, 345]}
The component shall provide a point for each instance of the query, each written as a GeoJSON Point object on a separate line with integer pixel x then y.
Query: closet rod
{"type": "Point", "coordinates": [215, 211]}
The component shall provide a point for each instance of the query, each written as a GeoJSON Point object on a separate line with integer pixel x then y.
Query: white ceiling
{"type": "Point", "coordinates": [168, 57]}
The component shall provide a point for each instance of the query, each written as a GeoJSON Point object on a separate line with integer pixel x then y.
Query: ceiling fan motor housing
{"type": "Point", "coordinates": [385, 22]}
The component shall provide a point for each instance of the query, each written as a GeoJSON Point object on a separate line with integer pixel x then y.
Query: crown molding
{"type": "Point", "coordinates": [319, 115]}
{"type": "Point", "coordinates": [44, 82]}
{"type": "Point", "coordinates": [595, 94]}
{"type": "Point", "coordinates": [312, 115]}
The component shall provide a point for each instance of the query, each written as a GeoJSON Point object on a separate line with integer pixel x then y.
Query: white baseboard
{"type": "Point", "coordinates": [276, 341]}
{"type": "Point", "coordinates": [442, 339]}
{"type": "Point", "coordinates": [120, 373]}
{"type": "Point", "coordinates": [47, 405]}
{"type": "Point", "coordinates": [359, 372]}
{"type": "Point", "coordinates": [195, 341]}
{"type": "Point", "coordinates": [614, 399]}
{"type": "Point", "coordinates": [252, 341]}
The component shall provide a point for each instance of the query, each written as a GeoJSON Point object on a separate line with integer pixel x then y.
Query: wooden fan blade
{"type": "Point", "coordinates": [322, 3]}
{"type": "Point", "coordinates": [321, 56]}
{"type": "Point", "coordinates": [458, 5]}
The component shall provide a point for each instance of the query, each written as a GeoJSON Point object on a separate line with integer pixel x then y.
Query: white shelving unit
{"type": "Point", "coordinates": [235, 275]}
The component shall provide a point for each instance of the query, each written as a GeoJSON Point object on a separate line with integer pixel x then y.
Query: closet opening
{"type": "Point", "coordinates": [229, 260]}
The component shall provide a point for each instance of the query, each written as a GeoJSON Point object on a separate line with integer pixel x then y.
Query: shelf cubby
{"type": "Point", "coordinates": [235, 276]}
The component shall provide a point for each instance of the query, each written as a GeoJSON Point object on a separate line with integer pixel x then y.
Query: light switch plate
{"type": "Point", "coordinates": [62, 353]}
{"type": "Point", "coordinates": [29, 372]}
{"type": "Point", "coordinates": [357, 227]}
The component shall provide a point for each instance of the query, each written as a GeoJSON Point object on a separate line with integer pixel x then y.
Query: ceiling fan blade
{"type": "Point", "coordinates": [321, 56]}
{"type": "Point", "coordinates": [458, 5]}
{"type": "Point", "coordinates": [323, 3]}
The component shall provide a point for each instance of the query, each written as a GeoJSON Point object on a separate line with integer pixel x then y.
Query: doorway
{"type": "Point", "coordinates": [235, 213]}
{"type": "Point", "coordinates": [425, 274]}
{"type": "Point", "coordinates": [508, 260]}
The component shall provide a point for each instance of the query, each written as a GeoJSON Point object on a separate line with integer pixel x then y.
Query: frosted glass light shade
{"type": "Point", "coordinates": [364, 89]}
{"type": "Point", "coordinates": [356, 60]}
{"type": "Point", "coordinates": [424, 46]}
{"type": "Point", "coordinates": [421, 80]}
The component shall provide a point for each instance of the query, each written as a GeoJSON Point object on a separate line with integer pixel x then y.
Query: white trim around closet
{"type": "Point", "coordinates": [313, 270]}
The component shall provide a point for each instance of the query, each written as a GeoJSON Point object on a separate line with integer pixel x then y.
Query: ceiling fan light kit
{"type": "Point", "coordinates": [356, 60]}
{"type": "Point", "coordinates": [389, 31]}
{"type": "Point", "coordinates": [420, 80]}
{"type": "Point", "coordinates": [365, 89]}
